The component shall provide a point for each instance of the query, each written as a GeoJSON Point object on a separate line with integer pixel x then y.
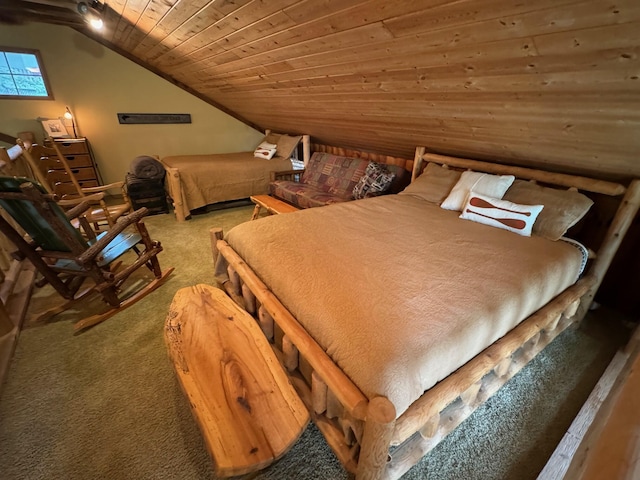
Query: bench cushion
{"type": "Point", "coordinates": [302, 195]}
{"type": "Point", "coordinates": [334, 174]}
{"type": "Point", "coordinates": [330, 179]}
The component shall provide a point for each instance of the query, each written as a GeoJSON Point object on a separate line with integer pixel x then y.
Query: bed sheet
{"type": "Point", "coordinates": [213, 178]}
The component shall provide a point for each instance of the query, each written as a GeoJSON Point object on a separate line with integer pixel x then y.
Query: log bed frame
{"type": "Point", "coordinates": [173, 184]}
{"type": "Point", "coordinates": [361, 430]}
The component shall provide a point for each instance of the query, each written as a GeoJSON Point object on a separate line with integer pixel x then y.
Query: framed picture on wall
{"type": "Point", "coordinates": [54, 127]}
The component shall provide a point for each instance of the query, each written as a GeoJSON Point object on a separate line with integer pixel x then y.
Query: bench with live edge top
{"type": "Point", "coordinates": [241, 397]}
{"type": "Point", "coordinates": [271, 204]}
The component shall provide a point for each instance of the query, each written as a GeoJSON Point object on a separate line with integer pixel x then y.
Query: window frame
{"type": "Point", "coordinates": [43, 75]}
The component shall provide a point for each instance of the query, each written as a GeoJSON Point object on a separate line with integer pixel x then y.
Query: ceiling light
{"type": "Point", "coordinates": [96, 23]}
{"type": "Point", "coordinates": [92, 13]}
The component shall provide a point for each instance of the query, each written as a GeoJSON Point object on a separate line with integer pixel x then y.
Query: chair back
{"type": "Point", "coordinates": [39, 215]}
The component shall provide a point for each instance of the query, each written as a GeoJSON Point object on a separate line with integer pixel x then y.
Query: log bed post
{"type": "Point", "coordinates": [306, 149]}
{"type": "Point", "coordinates": [617, 230]}
{"type": "Point", "coordinates": [215, 234]}
{"type": "Point", "coordinates": [417, 163]}
{"type": "Point", "coordinates": [175, 190]}
{"type": "Point", "coordinates": [378, 430]}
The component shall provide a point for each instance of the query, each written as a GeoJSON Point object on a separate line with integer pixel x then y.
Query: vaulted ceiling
{"type": "Point", "coordinates": [545, 82]}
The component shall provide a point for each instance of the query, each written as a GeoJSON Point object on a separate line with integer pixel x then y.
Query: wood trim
{"type": "Point", "coordinates": [596, 429]}
{"type": "Point", "coordinates": [558, 465]}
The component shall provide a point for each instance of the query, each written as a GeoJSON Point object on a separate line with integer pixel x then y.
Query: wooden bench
{"type": "Point", "coordinates": [271, 204]}
{"type": "Point", "coordinates": [247, 409]}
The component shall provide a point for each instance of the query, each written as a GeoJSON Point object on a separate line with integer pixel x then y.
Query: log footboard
{"type": "Point", "coordinates": [361, 431]}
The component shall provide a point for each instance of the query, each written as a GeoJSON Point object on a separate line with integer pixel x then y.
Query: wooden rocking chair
{"type": "Point", "coordinates": [101, 215]}
{"type": "Point", "coordinates": [65, 257]}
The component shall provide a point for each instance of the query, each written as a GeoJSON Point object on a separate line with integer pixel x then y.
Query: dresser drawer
{"type": "Point", "coordinates": [72, 147]}
{"type": "Point", "coordinates": [69, 189]}
{"type": "Point", "coordinates": [74, 161]}
{"type": "Point", "coordinates": [83, 173]}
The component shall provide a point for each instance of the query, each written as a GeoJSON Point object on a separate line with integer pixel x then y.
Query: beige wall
{"type": "Point", "coordinates": [96, 84]}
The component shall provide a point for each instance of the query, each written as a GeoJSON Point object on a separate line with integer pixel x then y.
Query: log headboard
{"type": "Point", "coordinates": [618, 227]}
{"type": "Point", "coordinates": [405, 163]}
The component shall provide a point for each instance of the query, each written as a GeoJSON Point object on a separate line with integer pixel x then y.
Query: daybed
{"type": "Point", "coordinates": [194, 181]}
{"type": "Point", "coordinates": [396, 319]}
{"type": "Point", "coordinates": [331, 177]}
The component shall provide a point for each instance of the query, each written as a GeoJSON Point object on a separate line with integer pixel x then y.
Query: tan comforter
{"type": "Point", "coordinates": [213, 178]}
{"type": "Point", "coordinates": [399, 292]}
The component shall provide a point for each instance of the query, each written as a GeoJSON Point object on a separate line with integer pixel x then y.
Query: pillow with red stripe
{"type": "Point", "coordinates": [501, 213]}
{"type": "Point", "coordinates": [265, 150]}
{"type": "Point", "coordinates": [485, 183]}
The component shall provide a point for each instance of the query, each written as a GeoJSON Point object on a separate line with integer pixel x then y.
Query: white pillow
{"type": "Point", "coordinates": [267, 145]}
{"type": "Point", "coordinates": [265, 150]}
{"type": "Point", "coordinates": [501, 213]}
{"type": "Point", "coordinates": [484, 183]}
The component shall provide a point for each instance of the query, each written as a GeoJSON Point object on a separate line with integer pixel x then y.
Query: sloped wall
{"type": "Point", "coordinates": [96, 84]}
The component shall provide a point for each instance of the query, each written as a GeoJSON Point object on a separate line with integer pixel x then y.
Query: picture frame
{"type": "Point", "coordinates": [54, 128]}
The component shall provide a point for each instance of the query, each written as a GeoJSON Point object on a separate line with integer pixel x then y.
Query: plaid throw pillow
{"type": "Point", "coordinates": [375, 181]}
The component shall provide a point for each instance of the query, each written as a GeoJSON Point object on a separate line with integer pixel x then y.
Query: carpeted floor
{"type": "Point", "coordinates": [105, 404]}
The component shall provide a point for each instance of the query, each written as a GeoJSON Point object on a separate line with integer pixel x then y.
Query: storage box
{"type": "Point", "coordinates": [144, 192]}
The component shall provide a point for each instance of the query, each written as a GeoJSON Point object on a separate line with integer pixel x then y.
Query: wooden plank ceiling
{"type": "Point", "coordinates": [545, 82]}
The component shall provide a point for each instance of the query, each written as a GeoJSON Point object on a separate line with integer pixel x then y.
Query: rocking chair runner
{"type": "Point", "coordinates": [66, 259]}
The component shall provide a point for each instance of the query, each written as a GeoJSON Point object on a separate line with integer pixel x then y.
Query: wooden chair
{"type": "Point", "coordinates": [66, 259]}
{"type": "Point", "coordinates": [102, 215]}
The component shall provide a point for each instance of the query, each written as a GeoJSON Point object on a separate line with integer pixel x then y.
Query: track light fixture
{"type": "Point", "coordinates": [92, 12]}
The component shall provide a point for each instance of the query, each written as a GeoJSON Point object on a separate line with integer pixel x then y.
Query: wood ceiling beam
{"type": "Point", "coordinates": [22, 11]}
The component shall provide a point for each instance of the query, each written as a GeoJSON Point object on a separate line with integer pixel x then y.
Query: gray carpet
{"type": "Point", "coordinates": [105, 404]}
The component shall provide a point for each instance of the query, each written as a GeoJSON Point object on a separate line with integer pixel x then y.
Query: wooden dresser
{"type": "Point", "coordinates": [78, 156]}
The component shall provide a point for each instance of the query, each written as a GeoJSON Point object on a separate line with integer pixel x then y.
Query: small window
{"type": "Point", "coordinates": [22, 75]}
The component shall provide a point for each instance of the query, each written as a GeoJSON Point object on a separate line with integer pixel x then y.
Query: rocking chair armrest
{"type": "Point", "coordinates": [66, 202]}
{"type": "Point", "coordinates": [103, 188]}
{"type": "Point", "coordinates": [123, 222]}
{"type": "Point", "coordinates": [82, 204]}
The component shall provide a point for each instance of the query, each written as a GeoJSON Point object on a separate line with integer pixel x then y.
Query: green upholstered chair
{"type": "Point", "coordinates": [69, 259]}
